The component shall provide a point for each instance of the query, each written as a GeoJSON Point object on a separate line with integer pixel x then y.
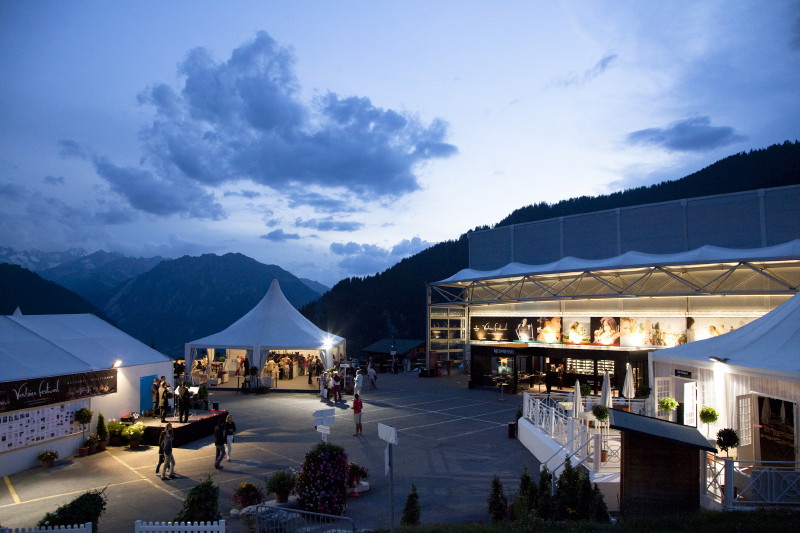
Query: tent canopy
{"type": "Point", "coordinates": [702, 255]}
{"type": "Point", "coordinates": [34, 346]}
{"type": "Point", "coordinates": [768, 345]}
{"type": "Point", "coordinates": [273, 324]}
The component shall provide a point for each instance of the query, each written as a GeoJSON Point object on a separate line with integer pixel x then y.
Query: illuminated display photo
{"type": "Point", "coordinates": [648, 331]}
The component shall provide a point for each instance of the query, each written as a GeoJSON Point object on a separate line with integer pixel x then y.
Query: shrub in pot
{"type": "Point", "coordinates": [83, 416]}
{"type": "Point", "coordinates": [726, 439]}
{"type": "Point", "coordinates": [134, 433]}
{"type": "Point", "coordinates": [115, 432]}
{"type": "Point", "coordinates": [708, 415]}
{"type": "Point", "coordinates": [245, 495]}
{"type": "Point", "coordinates": [102, 432]}
{"type": "Point", "coordinates": [667, 404]}
{"type": "Point", "coordinates": [322, 482]}
{"type": "Point", "coordinates": [281, 483]}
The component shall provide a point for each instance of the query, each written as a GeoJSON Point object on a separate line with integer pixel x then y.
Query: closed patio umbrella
{"type": "Point", "coordinates": [577, 408]}
{"type": "Point", "coordinates": [605, 394]}
{"type": "Point", "coordinates": [628, 389]}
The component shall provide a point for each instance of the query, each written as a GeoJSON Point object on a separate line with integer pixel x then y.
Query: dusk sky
{"type": "Point", "coordinates": [335, 138]}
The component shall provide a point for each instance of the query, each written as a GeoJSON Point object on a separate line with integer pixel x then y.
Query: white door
{"type": "Point", "coordinates": [690, 403]}
{"type": "Point", "coordinates": [664, 390]}
{"type": "Point", "coordinates": [747, 415]}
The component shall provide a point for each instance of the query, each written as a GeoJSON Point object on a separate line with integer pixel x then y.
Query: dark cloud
{"type": "Point", "coordinates": [328, 224]}
{"type": "Point", "coordinates": [54, 180]}
{"type": "Point", "coordinates": [152, 193]}
{"type": "Point", "coordinates": [365, 259]}
{"type": "Point", "coordinates": [588, 75]}
{"type": "Point", "coordinates": [279, 235]}
{"type": "Point", "coordinates": [70, 148]}
{"type": "Point", "coordinates": [13, 191]}
{"type": "Point", "coordinates": [321, 203]}
{"type": "Point", "coordinates": [243, 119]}
{"type": "Point", "coordinates": [695, 134]}
{"type": "Point", "coordinates": [243, 194]}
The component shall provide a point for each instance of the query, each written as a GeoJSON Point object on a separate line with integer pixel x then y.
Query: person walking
{"type": "Point", "coordinates": [169, 460]}
{"type": "Point", "coordinates": [358, 382]}
{"type": "Point", "coordinates": [337, 387]}
{"type": "Point", "coordinates": [358, 406]}
{"type": "Point", "coordinates": [373, 377]}
{"type": "Point", "coordinates": [220, 440]}
{"type": "Point", "coordinates": [154, 393]}
{"type": "Point", "coordinates": [161, 437]}
{"type": "Point", "coordinates": [230, 429]}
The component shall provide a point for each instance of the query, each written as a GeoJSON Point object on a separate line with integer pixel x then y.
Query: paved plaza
{"type": "Point", "coordinates": [452, 441]}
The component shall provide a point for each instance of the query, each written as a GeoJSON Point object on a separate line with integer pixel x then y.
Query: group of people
{"type": "Point", "coordinates": [223, 442]}
{"type": "Point", "coordinates": [162, 395]}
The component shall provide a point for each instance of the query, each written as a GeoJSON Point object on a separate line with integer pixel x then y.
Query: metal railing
{"type": "Point", "coordinates": [751, 484]}
{"type": "Point", "coordinates": [578, 443]}
{"type": "Point", "coordinates": [272, 519]}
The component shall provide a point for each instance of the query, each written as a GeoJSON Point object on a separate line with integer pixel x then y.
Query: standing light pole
{"type": "Point", "coordinates": [389, 435]}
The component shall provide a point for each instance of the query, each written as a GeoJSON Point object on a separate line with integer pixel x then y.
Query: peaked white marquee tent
{"type": "Point", "coordinates": [761, 358]}
{"type": "Point", "coordinates": [273, 324]}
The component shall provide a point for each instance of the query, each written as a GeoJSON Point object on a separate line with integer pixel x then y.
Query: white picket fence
{"type": "Point", "coordinates": [84, 528]}
{"type": "Point", "coordinates": [180, 527]}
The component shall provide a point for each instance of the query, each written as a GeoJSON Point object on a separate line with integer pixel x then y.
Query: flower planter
{"type": "Point", "coordinates": [133, 443]}
{"type": "Point", "coordinates": [281, 497]}
{"type": "Point", "coordinates": [101, 446]}
{"type": "Point", "coordinates": [48, 463]}
{"type": "Point", "coordinates": [92, 449]}
{"type": "Point", "coordinates": [115, 440]}
{"type": "Point", "coordinates": [83, 451]}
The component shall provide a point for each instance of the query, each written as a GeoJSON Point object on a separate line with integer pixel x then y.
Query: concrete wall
{"type": "Point", "coordinates": [751, 219]}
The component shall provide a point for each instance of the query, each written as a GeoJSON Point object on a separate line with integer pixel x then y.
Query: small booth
{"type": "Point", "coordinates": [54, 365]}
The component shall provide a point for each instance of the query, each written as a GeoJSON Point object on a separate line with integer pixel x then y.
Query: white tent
{"type": "Point", "coordinates": [761, 358]}
{"type": "Point", "coordinates": [273, 324]}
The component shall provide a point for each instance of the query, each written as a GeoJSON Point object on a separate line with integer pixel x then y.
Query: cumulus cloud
{"type": "Point", "coordinates": [328, 224]}
{"type": "Point", "coordinates": [279, 235]}
{"type": "Point", "coordinates": [588, 75]}
{"type": "Point", "coordinates": [321, 203]}
{"type": "Point", "coordinates": [694, 134]}
{"type": "Point", "coordinates": [153, 193]}
{"type": "Point", "coordinates": [243, 119]}
{"type": "Point", "coordinates": [365, 259]}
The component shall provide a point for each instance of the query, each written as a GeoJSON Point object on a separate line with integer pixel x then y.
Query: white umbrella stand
{"type": "Point", "coordinates": [628, 390]}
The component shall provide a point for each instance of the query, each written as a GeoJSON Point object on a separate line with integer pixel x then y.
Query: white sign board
{"type": "Point", "coordinates": [324, 429]}
{"type": "Point", "coordinates": [387, 433]}
{"type": "Point", "coordinates": [324, 417]}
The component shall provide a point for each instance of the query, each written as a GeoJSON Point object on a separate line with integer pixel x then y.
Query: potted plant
{"type": "Point", "coordinates": [708, 415]}
{"type": "Point", "coordinates": [601, 413]}
{"type": "Point", "coordinates": [47, 457]}
{"type": "Point", "coordinates": [134, 433]}
{"type": "Point", "coordinates": [281, 483]}
{"type": "Point", "coordinates": [91, 442]}
{"type": "Point", "coordinates": [83, 416]}
{"type": "Point", "coordinates": [667, 405]}
{"type": "Point", "coordinates": [356, 472]}
{"type": "Point", "coordinates": [115, 433]}
{"type": "Point", "coordinates": [726, 439]}
{"type": "Point", "coordinates": [102, 432]}
{"type": "Point", "coordinates": [245, 495]}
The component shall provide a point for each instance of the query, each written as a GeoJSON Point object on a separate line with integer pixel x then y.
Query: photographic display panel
{"type": "Point", "coordinates": [33, 426]}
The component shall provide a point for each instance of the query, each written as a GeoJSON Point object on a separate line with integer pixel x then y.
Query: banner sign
{"type": "Point", "coordinates": [24, 394]}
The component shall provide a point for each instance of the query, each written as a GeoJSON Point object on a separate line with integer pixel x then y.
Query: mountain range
{"type": "Point", "coordinates": [168, 302]}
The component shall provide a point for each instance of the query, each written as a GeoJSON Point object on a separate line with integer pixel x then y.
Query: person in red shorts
{"type": "Point", "coordinates": [357, 407]}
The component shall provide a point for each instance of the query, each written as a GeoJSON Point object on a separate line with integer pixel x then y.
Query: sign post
{"type": "Point", "coordinates": [389, 434]}
{"type": "Point", "coordinates": [323, 420]}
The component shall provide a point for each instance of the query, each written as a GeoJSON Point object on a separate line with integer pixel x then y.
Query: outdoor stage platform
{"type": "Point", "coordinates": [201, 424]}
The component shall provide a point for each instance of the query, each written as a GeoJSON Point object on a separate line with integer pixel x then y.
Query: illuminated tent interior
{"type": "Point", "coordinates": [273, 324]}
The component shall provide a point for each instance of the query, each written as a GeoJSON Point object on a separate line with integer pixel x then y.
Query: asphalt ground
{"type": "Point", "coordinates": [451, 442]}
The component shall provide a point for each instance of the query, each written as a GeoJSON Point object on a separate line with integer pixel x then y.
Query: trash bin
{"type": "Point", "coordinates": [512, 430]}
{"type": "Point", "coordinates": [215, 406]}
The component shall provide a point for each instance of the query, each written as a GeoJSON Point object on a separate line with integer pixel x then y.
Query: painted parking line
{"type": "Point", "coordinates": [51, 496]}
{"type": "Point", "coordinates": [147, 479]}
{"type": "Point", "coordinates": [11, 489]}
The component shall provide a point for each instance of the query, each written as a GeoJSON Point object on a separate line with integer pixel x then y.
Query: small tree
{"type": "Point", "coordinates": [497, 501]}
{"type": "Point", "coordinates": [667, 404]}
{"type": "Point", "coordinates": [544, 503]}
{"type": "Point", "coordinates": [85, 508]}
{"type": "Point", "coordinates": [727, 439]}
{"type": "Point", "coordinates": [83, 416]}
{"type": "Point", "coordinates": [102, 430]}
{"type": "Point", "coordinates": [708, 415]}
{"type": "Point", "coordinates": [598, 511]}
{"type": "Point", "coordinates": [411, 510]}
{"type": "Point", "coordinates": [525, 502]}
{"type": "Point", "coordinates": [201, 503]}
